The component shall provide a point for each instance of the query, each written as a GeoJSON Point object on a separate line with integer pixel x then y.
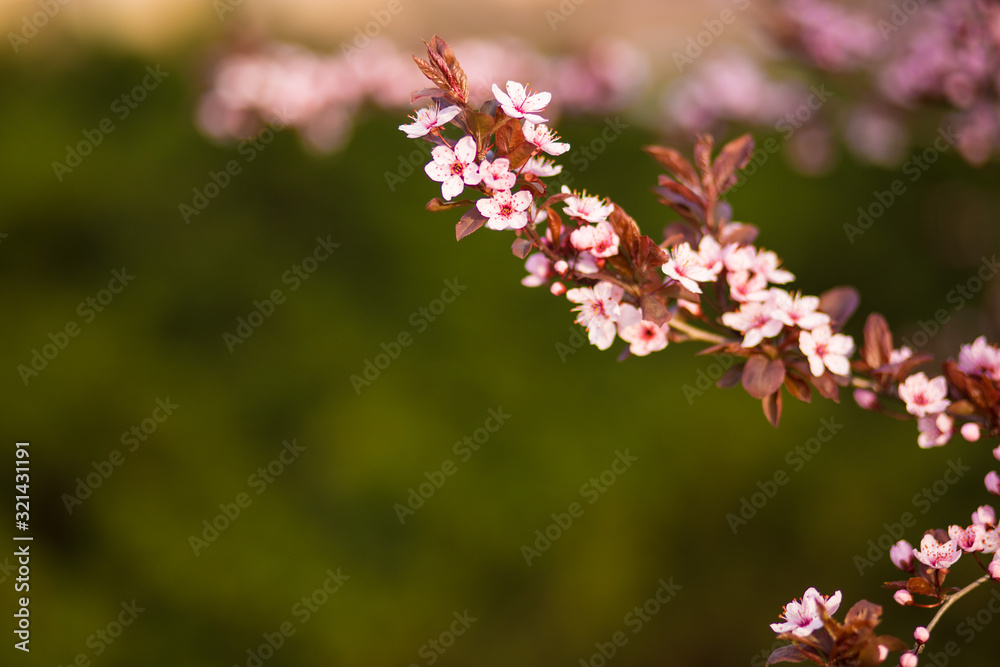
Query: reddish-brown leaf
{"type": "Point", "coordinates": [437, 205]}
{"type": "Point", "coordinates": [703, 154]}
{"type": "Point", "coordinates": [433, 93]}
{"type": "Point", "coordinates": [555, 199]}
{"type": "Point", "coordinates": [676, 164]}
{"type": "Point", "coordinates": [878, 341]}
{"type": "Point", "coordinates": [520, 154]}
{"type": "Point", "coordinates": [432, 73]}
{"type": "Point", "coordinates": [826, 386]}
{"type": "Point", "coordinates": [470, 222]}
{"type": "Point", "coordinates": [839, 303]}
{"type": "Point", "coordinates": [772, 408]}
{"type": "Point", "coordinates": [651, 255]}
{"type": "Point", "coordinates": [762, 376]}
{"type": "Point", "coordinates": [731, 377]}
{"type": "Point", "coordinates": [788, 653]}
{"type": "Point", "coordinates": [734, 156]}
{"type": "Point", "coordinates": [555, 223]}
{"type": "Point", "coordinates": [628, 232]}
{"type": "Point", "coordinates": [920, 586]}
{"type": "Point", "coordinates": [653, 309]}
{"type": "Point", "coordinates": [522, 247]}
{"type": "Point", "coordinates": [798, 387]}
{"type": "Point", "coordinates": [509, 135]}
{"type": "Point", "coordinates": [479, 125]}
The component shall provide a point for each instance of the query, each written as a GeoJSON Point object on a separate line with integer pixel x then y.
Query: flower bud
{"type": "Point", "coordinates": [903, 597]}
{"type": "Point", "coordinates": [994, 567]}
{"type": "Point", "coordinates": [901, 554]}
{"type": "Point", "coordinates": [908, 660]}
{"type": "Point", "coordinates": [996, 453]}
{"type": "Point", "coordinates": [557, 288]}
{"type": "Point", "coordinates": [970, 431]}
{"type": "Point", "coordinates": [921, 635]}
{"type": "Point", "coordinates": [993, 483]}
{"type": "Point", "coordinates": [866, 399]}
{"type": "Point", "coordinates": [883, 652]}
{"type": "Point", "coordinates": [561, 267]}
{"type": "Point", "coordinates": [984, 516]}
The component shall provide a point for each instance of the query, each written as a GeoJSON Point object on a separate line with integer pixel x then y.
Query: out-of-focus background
{"type": "Point", "coordinates": [189, 290]}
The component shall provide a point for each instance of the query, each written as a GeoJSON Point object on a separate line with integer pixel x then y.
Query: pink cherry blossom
{"type": "Point", "coordinates": [541, 167]}
{"type": "Point", "coordinates": [991, 540]}
{"type": "Point", "coordinates": [497, 175]}
{"type": "Point", "coordinates": [427, 119]}
{"type": "Point", "coordinates": [543, 137]}
{"type": "Point", "coordinates": [711, 253]}
{"type": "Point", "coordinates": [539, 270]}
{"type": "Point", "coordinates": [747, 286]}
{"type": "Point", "coordinates": [866, 399]}
{"type": "Point", "coordinates": [599, 240]}
{"type": "Point", "coordinates": [586, 207]}
{"type": "Point", "coordinates": [937, 555]}
{"type": "Point", "coordinates": [803, 618]}
{"type": "Point", "coordinates": [901, 555]}
{"type": "Point", "coordinates": [994, 568]}
{"type": "Point", "coordinates": [505, 211]}
{"type": "Point", "coordinates": [900, 355]}
{"type": "Point", "coordinates": [517, 103]}
{"type": "Point", "coordinates": [454, 169]}
{"type": "Point", "coordinates": [739, 258]}
{"type": "Point", "coordinates": [599, 310]}
{"type": "Point", "coordinates": [993, 483]}
{"type": "Point", "coordinates": [980, 358]}
{"type": "Point", "coordinates": [970, 431]}
{"type": "Point", "coordinates": [686, 267]}
{"type": "Point", "coordinates": [766, 264]}
{"type": "Point", "coordinates": [798, 311]}
{"type": "Point", "coordinates": [935, 430]}
{"type": "Point", "coordinates": [984, 516]}
{"type": "Point", "coordinates": [755, 320]}
{"type": "Point", "coordinates": [644, 336]}
{"type": "Point", "coordinates": [908, 660]}
{"type": "Point", "coordinates": [826, 349]}
{"type": "Point", "coordinates": [967, 539]}
{"type": "Point", "coordinates": [923, 396]}
{"type": "Point", "coordinates": [903, 597]}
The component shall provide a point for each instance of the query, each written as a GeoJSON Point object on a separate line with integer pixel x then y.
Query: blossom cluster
{"type": "Point", "coordinates": [708, 281]}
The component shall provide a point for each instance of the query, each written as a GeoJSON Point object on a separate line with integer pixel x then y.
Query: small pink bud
{"type": "Point", "coordinates": [561, 267]}
{"type": "Point", "coordinates": [901, 555]}
{"type": "Point", "coordinates": [994, 567]}
{"type": "Point", "coordinates": [996, 453]}
{"type": "Point", "coordinates": [866, 399]}
{"type": "Point", "coordinates": [883, 653]}
{"type": "Point", "coordinates": [903, 597]}
{"type": "Point", "coordinates": [993, 483]}
{"type": "Point", "coordinates": [970, 431]}
{"type": "Point", "coordinates": [921, 635]}
{"type": "Point", "coordinates": [557, 288]}
{"type": "Point", "coordinates": [908, 660]}
{"type": "Point", "coordinates": [984, 516]}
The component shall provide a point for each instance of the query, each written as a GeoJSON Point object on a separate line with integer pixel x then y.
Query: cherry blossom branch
{"type": "Point", "coordinates": [950, 600]}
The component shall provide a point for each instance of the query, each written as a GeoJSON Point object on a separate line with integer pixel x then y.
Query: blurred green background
{"type": "Point", "coordinates": [332, 507]}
